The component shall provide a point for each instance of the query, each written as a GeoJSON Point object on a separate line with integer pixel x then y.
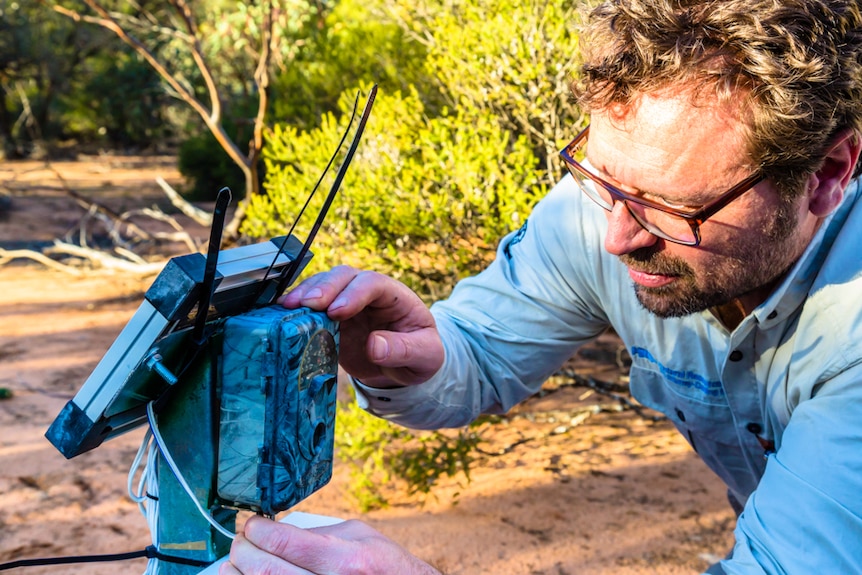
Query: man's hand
{"type": "Point", "coordinates": [388, 336]}
{"type": "Point", "coordinates": [349, 548]}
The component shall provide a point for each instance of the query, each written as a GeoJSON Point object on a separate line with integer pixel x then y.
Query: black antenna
{"type": "Point", "coordinates": [288, 273]}
{"type": "Point", "coordinates": [310, 196]}
{"type": "Point", "coordinates": [208, 285]}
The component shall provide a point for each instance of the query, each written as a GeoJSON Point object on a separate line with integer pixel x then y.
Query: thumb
{"type": "Point", "coordinates": [407, 357]}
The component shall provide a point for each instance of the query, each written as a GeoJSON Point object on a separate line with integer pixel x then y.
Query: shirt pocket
{"type": "Point", "coordinates": [704, 418]}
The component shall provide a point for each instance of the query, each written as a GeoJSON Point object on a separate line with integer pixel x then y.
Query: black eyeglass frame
{"type": "Point", "coordinates": [695, 217]}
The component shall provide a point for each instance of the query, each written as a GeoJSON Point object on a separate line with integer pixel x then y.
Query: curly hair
{"type": "Point", "coordinates": [794, 67]}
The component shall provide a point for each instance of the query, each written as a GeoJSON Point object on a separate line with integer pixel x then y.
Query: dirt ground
{"type": "Point", "coordinates": [616, 494]}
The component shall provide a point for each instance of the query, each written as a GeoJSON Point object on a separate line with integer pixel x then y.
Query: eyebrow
{"type": "Point", "coordinates": [701, 198]}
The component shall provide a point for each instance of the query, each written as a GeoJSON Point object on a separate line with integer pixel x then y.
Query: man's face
{"type": "Point", "coordinates": [670, 149]}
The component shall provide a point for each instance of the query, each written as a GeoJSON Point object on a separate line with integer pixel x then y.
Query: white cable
{"type": "Point", "coordinates": [151, 416]}
{"type": "Point", "coordinates": [138, 496]}
{"type": "Point", "coordinates": [150, 489]}
{"type": "Point", "coordinates": [146, 495]}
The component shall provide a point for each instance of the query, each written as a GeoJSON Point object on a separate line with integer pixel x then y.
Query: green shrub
{"type": "Point", "coordinates": [425, 200]}
{"type": "Point", "coordinates": [380, 454]}
{"type": "Point", "coordinates": [351, 42]}
{"type": "Point", "coordinates": [449, 163]}
{"type": "Point", "coordinates": [512, 59]}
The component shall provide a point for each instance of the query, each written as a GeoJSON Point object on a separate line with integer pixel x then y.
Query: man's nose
{"type": "Point", "coordinates": [625, 234]}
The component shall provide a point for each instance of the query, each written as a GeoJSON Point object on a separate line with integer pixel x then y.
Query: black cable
{"type": "Point", "coordinates": [148, 553]}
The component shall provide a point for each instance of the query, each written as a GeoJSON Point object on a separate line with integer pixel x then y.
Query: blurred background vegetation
{"type": "Point", "coordinates": [473, 105]}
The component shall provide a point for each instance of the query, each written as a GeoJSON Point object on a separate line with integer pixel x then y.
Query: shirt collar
{"type": "Point", "coordinates": [794, 289]}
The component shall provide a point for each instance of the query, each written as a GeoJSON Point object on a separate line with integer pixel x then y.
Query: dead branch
{"type": "Point", "coordinates": [179, 235]}
{"type": "Point", "coordinates": [111, 225]}
{"type": "Point", "coordinates": [566, 420]}
{"type": "Point", "coordinates": [123, 259]}
{"type": "Point", "coordinates": [132, 264]}
{"type": "Point", "coordinates": [136, 265]}
{"type": "Point", "coordinates": [113, 220]}
{"type": "Point", "coordinates": [196, 214]}
{"type": "Point", "coordinates": [96, 207]}
{"type": "Point", "coordinates": [7, 256]}
{"type": "Point", "coordinates": [128, 262]}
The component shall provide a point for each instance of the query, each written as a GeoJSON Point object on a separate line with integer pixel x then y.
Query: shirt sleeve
{"type": "Point", "coordinates": [806, 514]}
{"type": "Point", "coordinates": [510, 327]}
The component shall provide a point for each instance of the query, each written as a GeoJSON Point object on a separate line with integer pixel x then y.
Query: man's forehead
{"type": "Point", "coordinates": [664, 109]}
{"type": "Point", "coordinates": [661, 138]}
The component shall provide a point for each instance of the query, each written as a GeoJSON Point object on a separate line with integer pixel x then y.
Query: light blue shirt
{"type": "Point", "coordinates": [789, 374]}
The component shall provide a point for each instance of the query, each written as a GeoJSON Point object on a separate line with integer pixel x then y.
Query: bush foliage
{"type": "Point", "coordinates": [441, 173]}
{"type": "Point", "coordinates": [510, 58]}
{"type": "Point", "coordinates": [381, 454]}
{"type": "Point", "coordinates": [425, 198]}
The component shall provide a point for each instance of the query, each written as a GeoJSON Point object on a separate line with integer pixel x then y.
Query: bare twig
{"type": "Point", "coordinates": [7, 256]}
{"type": "Point", "coordinates": [180, 235]}
{"type": "Point", "coordinates": [566, 420]}
{"type": "Point", "coordinates": [107, 261]}
{"type": "Point", "coordinates": [507, 449]}
{"type": "Point", "coordinates": [95, 207]}
{"type": "Point", "coordinates": [197, 214]}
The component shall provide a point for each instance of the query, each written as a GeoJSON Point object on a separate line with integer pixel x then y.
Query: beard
{"type": "Point", "coordinates": [751, 264]}
{"type": "Point", "coordinates": [690, 293]}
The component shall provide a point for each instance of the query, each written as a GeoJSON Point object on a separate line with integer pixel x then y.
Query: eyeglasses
{"type": "Point", "coordinates": [680, 225]}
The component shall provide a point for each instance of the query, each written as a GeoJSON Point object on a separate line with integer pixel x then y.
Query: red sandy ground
{"type": "Point", "coordinates": [617, 494]}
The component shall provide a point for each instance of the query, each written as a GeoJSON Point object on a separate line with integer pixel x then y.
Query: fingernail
{"type": "Point", "coordinates": [379, 348]}
{"type": "Point", "coordinates": [338, 303]}
{"type": "Point", "coordinates": [314, 293]}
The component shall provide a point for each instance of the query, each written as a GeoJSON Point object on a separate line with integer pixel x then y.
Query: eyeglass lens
{"type": "Point", "coordinates": [657, 222]}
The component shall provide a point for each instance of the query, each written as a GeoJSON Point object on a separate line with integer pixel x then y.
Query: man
{"type": "Point", "coordinates": [711, 218]}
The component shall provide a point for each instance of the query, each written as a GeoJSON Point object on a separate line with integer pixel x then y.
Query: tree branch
{"type": "Point", "coordinates": [197, 214]}
{"type": "Point", "coordinates": [7, 256]}
{"type": "Point", "coordinates": [99, 208]}
{"type": "Point", "coordinates": [107, 261]}
{"type": "Point", "coordinates": [195, 46]}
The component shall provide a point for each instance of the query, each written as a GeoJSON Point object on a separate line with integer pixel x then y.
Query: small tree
{"type": "Point", "coordinates": [186, 44]}
{"type": "Point", "coordinates": [43, 59]}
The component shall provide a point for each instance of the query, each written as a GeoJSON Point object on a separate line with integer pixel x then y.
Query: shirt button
{"type": "Point", "coordinates": [680, 415]}
{"type": "Point", "coordinates": [735, 355]}
{"type": "Point", "coordinates": [772, 315]}
{"type": "Point", "coordinates": [754, 428]}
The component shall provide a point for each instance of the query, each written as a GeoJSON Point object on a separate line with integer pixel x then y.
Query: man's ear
{"type": "Point", "coordinates": [826, 185]}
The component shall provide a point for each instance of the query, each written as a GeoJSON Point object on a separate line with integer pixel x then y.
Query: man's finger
{"type": "Point", "coordinates": [228, 568]}
{"type": "Point", "coordinates": [250, 558]}
{"type": "Point", "coordinates": [420, 352]}
{"type": "Point", "coordinates": [318, 291]}
{"type": "Point", "coordinates": [305, 550]}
